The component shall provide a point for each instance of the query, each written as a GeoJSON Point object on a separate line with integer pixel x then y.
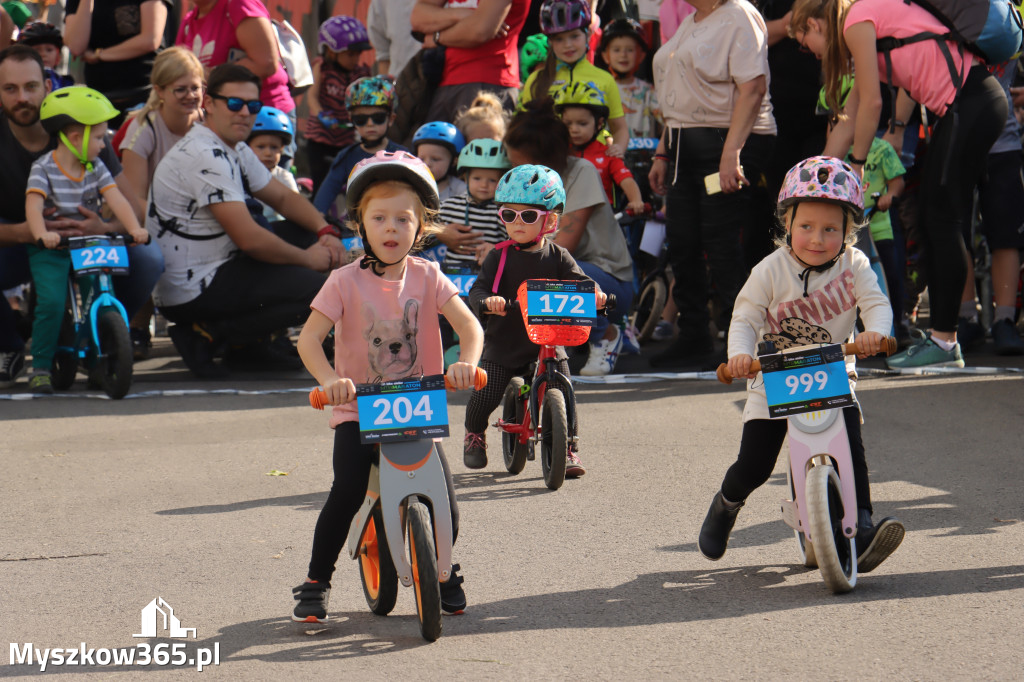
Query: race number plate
{"type": "Point", "coordinates": [98, 254]}
{"type": "Point", "coordinates": [463, 282]}
{"type": "Point", "coordinates": [409, 409]}
{"type": "Point", "coordinates": [560, 303]}
{"type": "Point", "coordinates": [806, 381]}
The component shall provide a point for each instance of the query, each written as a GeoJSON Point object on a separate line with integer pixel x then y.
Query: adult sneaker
{"type": "Point", "coordinates": [630, 344]}
{"type": "Point", "coordinates": [603, 355]}
{"type": "Point", "coordinates": [40, 384]}
{"type": "Point", "coordinates": [1006, 339]}
{"type": "Point", "coordinates": [312, 597]}
{"type": "Point", "coordinates": [663, 331]}
{"type": "Point", "coordinates": [453, 597]}
{"type": "Point", "coordinates": [573, 465]}
{"type": "Point", "coordinates": [12, 364]}
{"type": "Point", "coordinates": [926, 353]}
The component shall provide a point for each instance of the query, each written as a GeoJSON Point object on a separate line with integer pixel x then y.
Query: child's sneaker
{"type": "Point", "coordinates": [630, 344]}
{"type": "Point", "coordinates": [663, 331]}
{"type": "Point", "coordinates": [925, 353]}
{"type": "Point", "coordinates": [453, 597]}
{"type": "Point", "coordinates": [40, 384]}
{"type": "Point", "coordinates": [573, 465]}
{"type": "Point", "coordinates": [474, 450]}
{"type": "Point", "coordinates": [603, 355]}
{"type": "Point", "coordinates": [312, 597]}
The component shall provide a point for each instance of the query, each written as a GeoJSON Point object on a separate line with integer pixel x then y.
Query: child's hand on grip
{"type": "Point", "coordinates": [495, 305]}
{"type": "Point", "coordinates": [739, 366]}
{"type": "Point", "coordinates": [462, 375]}
{"type": "Point", "coordinates": [868, 344]}
{"type": "Point", "coordinates": [340, 391]}
{"type": "Point", "coordinates": [50, 240]}
{"type": "Point", "coordinates": [602, 298]}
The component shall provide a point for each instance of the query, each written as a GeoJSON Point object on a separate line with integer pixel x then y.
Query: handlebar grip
{"type": "Point", "coordinates": [889, 347]}
{"type": "Point", "coordinates": [318, 399]}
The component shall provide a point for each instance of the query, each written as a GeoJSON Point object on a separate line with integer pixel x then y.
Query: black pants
{"type": "Point", "coordinates": [482, 403]}
{"type": "Point", "coordinates": [248, 299]}
{"type": "Point", "coordinates": [712, 226]}
{"type": "Point", "coordinates": [955, 161]}
{"type": "Point", "coordinates": [759, 450]}
{"type": "Point", "coordinates": [352, 462]}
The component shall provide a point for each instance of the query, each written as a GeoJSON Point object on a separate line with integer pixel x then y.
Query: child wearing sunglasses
{"type": "Point", "coordinates": [530, 199]}
{"type": "Point", "coordinates": [370, 102]}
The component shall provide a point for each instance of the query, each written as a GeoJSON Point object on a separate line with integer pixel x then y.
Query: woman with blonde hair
{"type": "Point", "coordinates": [171, 110]}
{"type": "Point", "coordinates": [946, 79]}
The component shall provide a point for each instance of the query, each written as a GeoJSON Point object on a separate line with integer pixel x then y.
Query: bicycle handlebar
{"type": "Point", "coordinates": [318, 399]}
{"type": "Point", "coordinates": [65, 241]}
{"type": "Point", "coordinates": [888, 347]}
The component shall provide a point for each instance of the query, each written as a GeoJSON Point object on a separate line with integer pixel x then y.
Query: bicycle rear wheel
{"type": "Point", "coordinates": [804, 546]}
{"type": "Point", "coordinates": [424, 570]}
{"type": "Point", "coordinates": [649, 305]}
{"type": "Point", "coordinates": [512, 411]}
{"type": "Point", "coordinates": [376, 569]}
{"type": "Point", "coordinates": [836, 553]}
{"type": "Point", "coordinates": [554, 438]}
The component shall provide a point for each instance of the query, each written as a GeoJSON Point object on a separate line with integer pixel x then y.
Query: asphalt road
{"type": "Point", "coordinates": [109, 505]}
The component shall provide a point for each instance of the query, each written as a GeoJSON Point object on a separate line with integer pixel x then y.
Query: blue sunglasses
{"type": "Point", "coordinates": [235, 104]}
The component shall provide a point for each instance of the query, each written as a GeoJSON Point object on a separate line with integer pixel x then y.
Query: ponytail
{"type": "Point", "coordinates": [545, 77]}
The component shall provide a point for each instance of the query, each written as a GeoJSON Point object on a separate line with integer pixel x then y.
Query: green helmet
{"type": "Point", "coordinates": [75, 104]}
{"type": "Point", "coordinates": [587, 95]}
{"type": "Point", "coordinates": [533, 52]}
{"type": "Point", "coordinates": [483, 153]}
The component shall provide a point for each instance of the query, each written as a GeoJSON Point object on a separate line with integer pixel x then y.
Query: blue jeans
{"type": "Point", "coordinates": [146, 266]}
{"type": "Point", "coordinates": [623, 294]}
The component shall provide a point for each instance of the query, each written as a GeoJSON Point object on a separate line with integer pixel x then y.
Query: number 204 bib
{"type": "Point", "coordinates": [409, 409]}
{"type": "Point", "coordinates": [806, 380]}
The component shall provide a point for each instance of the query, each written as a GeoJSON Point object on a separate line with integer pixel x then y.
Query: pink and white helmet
{"type": "Point", "coordinates": [823, 178]}
{"type": "Point", "coordinates": [391, 166]}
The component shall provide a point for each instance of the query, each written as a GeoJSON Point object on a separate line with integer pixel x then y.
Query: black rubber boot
{"type": "Point", "coordinates": [876, 543]}
{"type": "Point", "coordinates": [714, 534]}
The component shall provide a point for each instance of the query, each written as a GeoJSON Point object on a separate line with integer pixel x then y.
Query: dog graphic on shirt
{"type": "Point", "coordinates": [391, 344]}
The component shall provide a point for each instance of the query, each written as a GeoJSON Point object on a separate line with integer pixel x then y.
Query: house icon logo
{"type": "Point", "coordinates": [151, 621]}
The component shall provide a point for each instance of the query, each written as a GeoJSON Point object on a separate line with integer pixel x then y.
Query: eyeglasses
{"type": "Point", "coordinates": [186, 90]}
{"type": "Point", "coordinates": [378, 118]}
{"type": "Point", "coordinates": [529, 216]}
{"type": "Point", "coordinates": [803, 45]}
{"type": "Point", "coordinates": [235, 104]}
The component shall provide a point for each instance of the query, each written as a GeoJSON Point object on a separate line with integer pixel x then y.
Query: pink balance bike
{"type": "Point", "coordinates": [544, 410]}
{"type": "Point", "coordinates": [393, 535]}
{"type": "Point", "coordinates": [823, 511]}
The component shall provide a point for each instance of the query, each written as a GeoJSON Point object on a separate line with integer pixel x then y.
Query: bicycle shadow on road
{"type": "Point", "coordinates": [492, 485]}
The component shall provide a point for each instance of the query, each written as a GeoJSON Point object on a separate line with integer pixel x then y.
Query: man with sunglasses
{"type": "Point", "coordinates": [23, 85]}
{"type": "Point", "coordinates": [228, 281]}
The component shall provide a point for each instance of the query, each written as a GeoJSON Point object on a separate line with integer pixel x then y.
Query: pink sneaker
{"type": "Point", "coordinates": [573, 465]}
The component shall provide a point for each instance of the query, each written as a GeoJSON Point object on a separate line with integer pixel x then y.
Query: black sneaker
{"type": "Point", "coordinates": [474, 450]}
{"type": "Point", "coordinates": [969, 334]}
{"type": "Point", "coordinates": [312, 597]}
{"type": "Point", "coordinates": [12, 364]}
{"type": "Point", "coordinates": [197, 350]}
{"type": "Point", "coordinates": [142, 344]}
{"type": "Point", "coordinates": [1006, 338]}
{"type": "Point", "coordinates": [714, 533]}
{"type": "Point", "coordinates": [685, 351]}
{"type": "Point", "coordinates": [264, 356]}
{"type": "Point", "coordinates": [876, 542]}
{"type": "Point", "coordinates": [453, 597]}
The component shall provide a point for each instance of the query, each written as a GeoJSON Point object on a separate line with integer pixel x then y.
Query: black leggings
{"type": "Point", "coordinates": [952, 168]}
{"type": "Point", "coordinates": [352, 462]}
{"type": "Point", "coordinates": [759, 450]}
{"type": "Point", "coordinates": [482, 403]}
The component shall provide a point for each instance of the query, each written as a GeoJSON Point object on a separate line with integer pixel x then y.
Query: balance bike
{"type": "Point", "coordinates": [823, 511]}
{"type": "Point", "coordinates": [394, 514]}
{"type": "Point", "coordinates": [95, 330]}
{"type": "Point", "coordinates": [544, 411]}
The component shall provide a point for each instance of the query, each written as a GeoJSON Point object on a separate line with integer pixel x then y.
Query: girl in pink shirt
{"type": "Point", "coordinates": [845, 35]}
{"type": "Point", "coordinates": [384, 313]}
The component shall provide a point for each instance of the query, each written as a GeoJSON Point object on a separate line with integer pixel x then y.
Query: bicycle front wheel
{"type": "Point", "coordinates": [836, 553]}
{"type": "Point", "coordinates": [424, 570]}
{"type": "Point", "coordinates": [113, 369]}
{"type": "Point", "coordinates": [554, 438]}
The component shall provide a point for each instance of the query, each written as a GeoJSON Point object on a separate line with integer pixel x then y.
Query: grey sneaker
{"type": "Point", "coordinates": [312, 597]}
{"type": "Point", "coordinates": [12, 364]}
{"type": "Point", "coordinates": [1006, 339]}
{"type": "Point", "coordinates": [40, 384]}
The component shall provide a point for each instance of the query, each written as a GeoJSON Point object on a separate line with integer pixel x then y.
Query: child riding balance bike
{"type": "Point", "coordinates": [807, 292]}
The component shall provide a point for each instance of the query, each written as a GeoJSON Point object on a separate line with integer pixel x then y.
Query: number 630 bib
{"type": "Point", "coordinates": [408, 409]}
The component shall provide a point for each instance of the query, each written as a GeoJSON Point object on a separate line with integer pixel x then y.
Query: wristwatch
{"type": "Point", "coordinates": [437, 39]}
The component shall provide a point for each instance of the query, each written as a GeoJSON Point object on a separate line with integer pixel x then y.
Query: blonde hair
{"type": "Point", "coordinates": [170, 65]}
{"type": "Point", "coordinates": [386, 189]}
{"type": "Point", "coordinates": [486, 108]}
{"type": "Point", "coordinates": [786, 215]}
{"type": "Point", "coordinates": [835, 62]}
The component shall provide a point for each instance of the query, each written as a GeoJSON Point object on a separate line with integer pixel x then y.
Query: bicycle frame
{"type": "Point", "coordinates": [93, 303]}
{"type": "Point", "coordinates": [541, 378]}
{"type": "Point", "coordinates": [406, 469]}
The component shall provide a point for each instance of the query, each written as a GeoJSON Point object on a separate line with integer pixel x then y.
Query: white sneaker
{"type": "Point", "coordinates": [603, 356]}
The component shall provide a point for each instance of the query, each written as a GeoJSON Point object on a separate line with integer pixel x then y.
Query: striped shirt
{"type": "Point", "coordinates": [66, 193]}
{"type": "Point", "coordinates": [483, 218]}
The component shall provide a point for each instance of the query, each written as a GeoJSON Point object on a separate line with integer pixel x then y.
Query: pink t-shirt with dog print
{"type": "Point", "coordinates": [384, 330]}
